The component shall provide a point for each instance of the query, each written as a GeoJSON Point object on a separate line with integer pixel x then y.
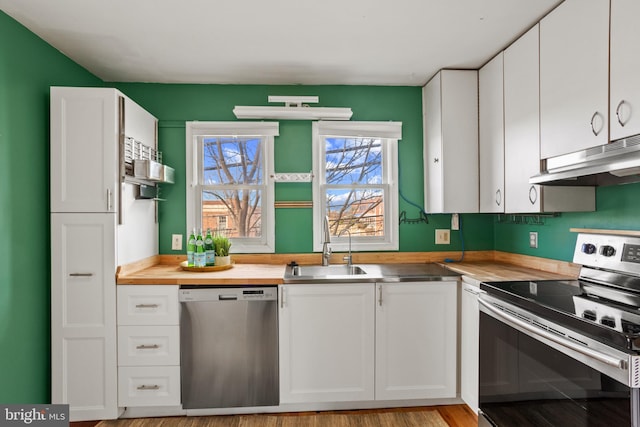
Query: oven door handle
{"type": "Point", "coordinates": [589, 352]}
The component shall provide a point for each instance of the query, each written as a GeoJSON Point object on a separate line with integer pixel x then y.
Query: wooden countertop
{"type": "Point", "coordinates": [172, 274]}
{"type": "Point", "coordinates": [494, 271]}
{"type": "Point", "coordinates": [165, 270]}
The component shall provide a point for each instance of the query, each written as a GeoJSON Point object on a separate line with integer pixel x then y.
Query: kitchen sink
{"type": "Point", "coordinates": [384, 273]}
{"type": "Point", "coordinates": [329, 273]}
{"type": "Point", "coordinates": [327, 270]}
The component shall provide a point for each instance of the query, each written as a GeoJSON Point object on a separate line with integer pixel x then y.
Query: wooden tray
{"type": "Point", "coordinates": [210, 268]}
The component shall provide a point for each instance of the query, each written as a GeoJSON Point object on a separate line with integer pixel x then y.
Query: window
{"type": "Point", "coordinates": [355, 165]}
{"type": "Point", "coordinates": [229, 188]}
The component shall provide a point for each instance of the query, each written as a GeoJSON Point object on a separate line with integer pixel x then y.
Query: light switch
{"type": "Point", "coordinates": [443, 236]}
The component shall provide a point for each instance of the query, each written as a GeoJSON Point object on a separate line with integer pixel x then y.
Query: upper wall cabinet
{"type": "Point", "coordinates": [522, 137]}
{"type": "Point", "coordinates": [574, 49]}
{"type": "Point", "coordinates": [88, 127]}
{"type": "Point", "coordinates": [491, 91]}
{"type": "Point", "coordinates": [625, 69]}
{"type": "Point", "coordinates": [450, 109]}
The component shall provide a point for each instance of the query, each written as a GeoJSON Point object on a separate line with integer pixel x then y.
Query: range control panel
{"type": "Point", "coordinates": [611, 252]}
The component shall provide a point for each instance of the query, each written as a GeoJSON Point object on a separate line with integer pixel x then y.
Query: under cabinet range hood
{"type": "Point", "coordinates": [609, 164]}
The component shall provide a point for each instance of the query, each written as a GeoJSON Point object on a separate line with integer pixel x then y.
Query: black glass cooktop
{"type": "Point", "coordinates": [568, 304]}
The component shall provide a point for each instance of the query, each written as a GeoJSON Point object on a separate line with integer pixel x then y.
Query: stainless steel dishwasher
{"type": "Point", "coordinates": [229, 346]}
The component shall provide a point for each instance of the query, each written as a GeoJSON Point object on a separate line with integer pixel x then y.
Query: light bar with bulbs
{"type": "Point", "coordinates": [295, 108]}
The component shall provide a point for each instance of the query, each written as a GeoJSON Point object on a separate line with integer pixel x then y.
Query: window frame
{"type": "Point", "coordinates": [389, 133]}
{"type": "Point", "coordinates": [195, 131]}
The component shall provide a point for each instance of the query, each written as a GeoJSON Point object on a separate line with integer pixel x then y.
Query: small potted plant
{"type": "Point", "coordinates": [221, 245]}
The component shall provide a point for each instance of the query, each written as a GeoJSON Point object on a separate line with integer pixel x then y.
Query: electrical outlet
{"type": "Point", "coordinates": [455, 222]}
{"type": "Point", "coordinates": [176, 242]}
{"type": "Point", "coordinates": [443, 236]}
{"type": "Point", "coordinates": [533, 239]}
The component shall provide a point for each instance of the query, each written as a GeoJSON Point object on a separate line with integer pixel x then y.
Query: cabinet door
{"type": "Point", "coordinates": [522, 123]}
{"type": "Point", "coordinates": [416, 335]}
{"type": "Point", "coordinates": [469, 345]}
{"type": "Point", "coordinates": [625, 69]}
{"type": "Point", "coordinates": [326, 343]}
{"type": "Point", "coordinates": [432, 151]}
{"type": "Point", "coordinates": [83, 315]}
{"type": "Point", "coordinates": [574, 77]}
{"type": "Point", "coordinates": [491, 93]}
{"type": "Point", "coordinates": [450, 108]}
{"type": "Point", "coordinates": [84, 150]}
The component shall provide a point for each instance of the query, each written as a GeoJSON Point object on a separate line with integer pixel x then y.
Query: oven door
{"type": "Point", "coordinates": [530, 378]}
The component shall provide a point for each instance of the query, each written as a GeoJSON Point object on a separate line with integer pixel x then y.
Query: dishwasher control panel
{"type": "Point", "coordinates": [227, 293]}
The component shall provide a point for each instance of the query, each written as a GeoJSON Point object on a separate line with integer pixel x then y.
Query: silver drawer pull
{"type": "Point", "coordinates": [149, 387]}
{"type": "Point", "coordinates": [81, 274]}
{"type": "Point", "coordinates": [146, 305]}
{"type": "Point", "coordinates": [147, 346]}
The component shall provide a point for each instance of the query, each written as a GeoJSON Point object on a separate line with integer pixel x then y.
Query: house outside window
{"type": "Point", "coordinates": [229, 185]}
{"type": "Point", "coordinates": [355, 185]}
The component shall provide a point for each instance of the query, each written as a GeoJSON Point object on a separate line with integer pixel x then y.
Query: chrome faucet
{"type": "Point", "coordinates": [326, 250]}
{"type": "Point", "coordinates": [348, 257]}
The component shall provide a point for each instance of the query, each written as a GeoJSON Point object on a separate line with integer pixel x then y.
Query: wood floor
{"type": "Point", "coordinates": [453, 415]}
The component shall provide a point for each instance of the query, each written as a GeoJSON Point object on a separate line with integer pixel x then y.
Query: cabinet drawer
{"type": "Point", "coordinates": [149, 386]}
{"type": "Point", "coordinates": [148, 305]}
{"type": "Point", "coordinates": [148, 345]}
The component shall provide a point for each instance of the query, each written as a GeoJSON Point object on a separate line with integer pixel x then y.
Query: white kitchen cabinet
{"type": "Point", "coordinates": [83, 315]}
{"type": "Point", "coordinates": [416, 335]}
{"type": "Point", "coordinates": [491, 130]}
{"type": "Point", "coordinates": [84, 149]}
{"type": "Point", "coordinates": [97, 224]}
{"type": "Point", "coordinates": [360, 342]}
{"type": "Point", "coordinates": [624, 68]}
{"type": "Point", "coordinates": [522, 137]}
{"type": "Point", "coordinates": [148, 345]}
{"type": "Point", "coordinates": [326, 343]}
{"type": "Point", "coordinates": [469, 344]}
{"type": "Point", "coordinates": [574, 77]}
{"type": "Point", "coordinates": [450, 114]}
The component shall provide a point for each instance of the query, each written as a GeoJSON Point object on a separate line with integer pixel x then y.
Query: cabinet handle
{"type": "Point", "coordinates": [109, 201]}
{"type": "Point", "coordinates": [80, 274]}
{"type": "Point", "coordinates": [146, 305]}
{"type": "Point", "coordinates": [533, 194]}
{"type": "Point", "coordinates": [147, 347]}
{"type": "Point", "coordinates": [593, 129]}
{"type": "Point", "coordinates": [149, 387]}
{"type": "Point", "coordinates": [618, 110]}
{"type": "Point", "coordinates": [471, 291]}
{"type": "Point", "coordinates": [380, 295]}
{"type": "Point", "coordinates": [498, 197]}
{"type": "Point", "coordinates": [436, 160]}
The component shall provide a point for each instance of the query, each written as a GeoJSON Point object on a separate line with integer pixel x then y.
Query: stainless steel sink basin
{"type": "Point", "coordinates": [330, 273]}
{"type": "Point", "coordinates": [328, 270]}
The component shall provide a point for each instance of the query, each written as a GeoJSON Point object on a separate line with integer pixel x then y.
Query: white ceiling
{"type": "Point", "coordinates": [371, 42]}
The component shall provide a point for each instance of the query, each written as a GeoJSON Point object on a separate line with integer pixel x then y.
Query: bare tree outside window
{"type": "Point", "coordinates": [354, 192]}
{"type": "Point", "coordinates": [233, 184]}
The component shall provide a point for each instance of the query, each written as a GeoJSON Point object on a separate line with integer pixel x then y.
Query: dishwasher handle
{"type": "Point", "coordinates": [227, 297]}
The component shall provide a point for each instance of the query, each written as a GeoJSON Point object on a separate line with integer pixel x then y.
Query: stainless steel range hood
{"type": "Point", "coordinates": [610, 164]}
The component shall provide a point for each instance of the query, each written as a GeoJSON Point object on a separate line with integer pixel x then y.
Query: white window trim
{"type": "Point", "coordinates": [264, 129]}
{"type": "Point", "coordinates": [391, 132]}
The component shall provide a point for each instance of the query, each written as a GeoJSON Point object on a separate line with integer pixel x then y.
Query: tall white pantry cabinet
{"type": "Point", "coordinates": [96, 225]}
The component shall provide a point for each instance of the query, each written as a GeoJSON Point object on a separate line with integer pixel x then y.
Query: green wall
{"type": "Point", "coordinates": [28, 66]}
{"type": "Point", "coordinates": [618, 207]}
{"type": "Point", "coordinates": [174, 104]}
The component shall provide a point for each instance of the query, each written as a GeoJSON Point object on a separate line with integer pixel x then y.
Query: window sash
{"type": "Point", "coordinates": [195, 134]}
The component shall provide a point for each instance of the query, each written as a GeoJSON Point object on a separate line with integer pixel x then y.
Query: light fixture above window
{"type": "Point", "coordinates": [295, 108]}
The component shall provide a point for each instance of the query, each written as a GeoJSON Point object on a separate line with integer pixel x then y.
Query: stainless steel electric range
{"type": "Point", "coordinates": [565, 353]}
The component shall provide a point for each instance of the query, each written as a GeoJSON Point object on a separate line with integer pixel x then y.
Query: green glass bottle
{"type": "Point", "coordinates": [199, 256]}
{"type": "Point", "coordinates": [209, 250]}
{"type": "Point", "coordinates": [191, 248]}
